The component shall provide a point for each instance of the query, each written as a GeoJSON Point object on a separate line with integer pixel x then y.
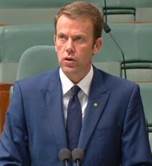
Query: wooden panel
{"type": "Point", "coordinates": [4, 101]}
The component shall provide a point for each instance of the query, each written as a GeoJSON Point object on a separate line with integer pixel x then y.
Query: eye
{"type": "Point", "coordinates": [79, 39]}
{"type": "Point", "coordinates": [62, 37]}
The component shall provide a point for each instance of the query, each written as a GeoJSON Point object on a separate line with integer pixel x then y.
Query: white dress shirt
{"type": "Point", "coordinates": [84, 85]}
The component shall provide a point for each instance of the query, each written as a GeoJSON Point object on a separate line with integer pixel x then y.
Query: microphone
{"type": "Point", "coordinates": [65, 156]}
{"type": "Point", "coordinates": [77, 156]}
{"type": "Point", "coordinates": [107, 29]}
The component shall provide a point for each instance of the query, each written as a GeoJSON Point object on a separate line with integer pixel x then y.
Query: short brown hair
{"type": "Point", "coordinates": [83, 9]}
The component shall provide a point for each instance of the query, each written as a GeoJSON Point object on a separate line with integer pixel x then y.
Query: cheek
{"type": "Point", "coordinates": [58, 47]}
{"type": "Point", "coordinates": [86, 53]}
{"type": "Point", "coordinates": [59, 50]}
{"type": "Point", "coordinates": [59, 54]}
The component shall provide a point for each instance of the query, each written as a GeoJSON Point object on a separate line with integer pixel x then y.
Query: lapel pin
{"type": "Point", "coordinates": [95, 104]}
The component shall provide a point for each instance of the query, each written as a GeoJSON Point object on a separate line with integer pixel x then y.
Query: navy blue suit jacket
{"type": "Point", "coordinates": [113, 132]}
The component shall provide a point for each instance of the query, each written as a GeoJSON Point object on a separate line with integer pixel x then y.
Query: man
{"type": "Point", "coordinates": [113, 130]}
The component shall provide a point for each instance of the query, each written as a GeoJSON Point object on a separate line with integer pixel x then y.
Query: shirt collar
{"type": "Point", "coordinates": [84, 84]}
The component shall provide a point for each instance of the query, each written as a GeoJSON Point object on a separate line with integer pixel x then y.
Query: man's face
{"type": "Point", "coordinates": [75, 46]}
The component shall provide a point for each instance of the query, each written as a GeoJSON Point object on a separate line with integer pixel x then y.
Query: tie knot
{"type": "Point", "coordinates": [75, 90]}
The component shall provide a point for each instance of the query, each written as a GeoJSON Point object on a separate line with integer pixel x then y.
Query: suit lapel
{"type": "Point", "coordinates": [53, 99]}
{"type": "Point", "coordinates": [97, 100]}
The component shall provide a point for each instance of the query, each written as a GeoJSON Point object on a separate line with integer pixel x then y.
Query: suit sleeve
{"type": "Point", "coordinates": [135, 144]}
{"type": "Point", "coordinates": [14, 139]}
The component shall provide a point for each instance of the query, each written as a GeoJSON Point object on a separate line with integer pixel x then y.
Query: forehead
{"type": "Point", "coordinates": [82, 24]}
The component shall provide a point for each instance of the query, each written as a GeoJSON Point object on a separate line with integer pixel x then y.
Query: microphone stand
{"type": "Point", "coordinates": [66, 162]}
{"type": "Point", "coordinates": [107, 29]}
{"type": "Point", "coordinates": [105, 10]}
{"type": "Point", "coordinates": [77, 163]}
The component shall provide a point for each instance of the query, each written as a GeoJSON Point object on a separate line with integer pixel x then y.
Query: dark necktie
{"type": "Point", "coordinates": [74, 119]}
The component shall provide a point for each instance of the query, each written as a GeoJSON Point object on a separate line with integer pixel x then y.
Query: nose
{"type": "Point", "coordinates": [69, 46]}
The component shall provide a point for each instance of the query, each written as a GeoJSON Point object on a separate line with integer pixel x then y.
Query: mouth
{"type": "Point", "coordinates": [69, 61]}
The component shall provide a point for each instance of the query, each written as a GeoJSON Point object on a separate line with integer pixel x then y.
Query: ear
{"type": "Point", "coordinates": [97, 45]}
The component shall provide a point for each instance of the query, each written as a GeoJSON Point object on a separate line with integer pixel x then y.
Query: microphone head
{"type": "Point", "coordinates": [77, 154]}
{"type": "Point", "coordinates": [65, 154]}
{"type": "Point", "coordinates": [106, 28]}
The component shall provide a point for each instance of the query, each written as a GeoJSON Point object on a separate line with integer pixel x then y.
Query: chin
{"type": "Point", "coordinates": [69, 70]}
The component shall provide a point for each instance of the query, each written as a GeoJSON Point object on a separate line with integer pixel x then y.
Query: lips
{"type": "Point", "coordinates": [69, 61]}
